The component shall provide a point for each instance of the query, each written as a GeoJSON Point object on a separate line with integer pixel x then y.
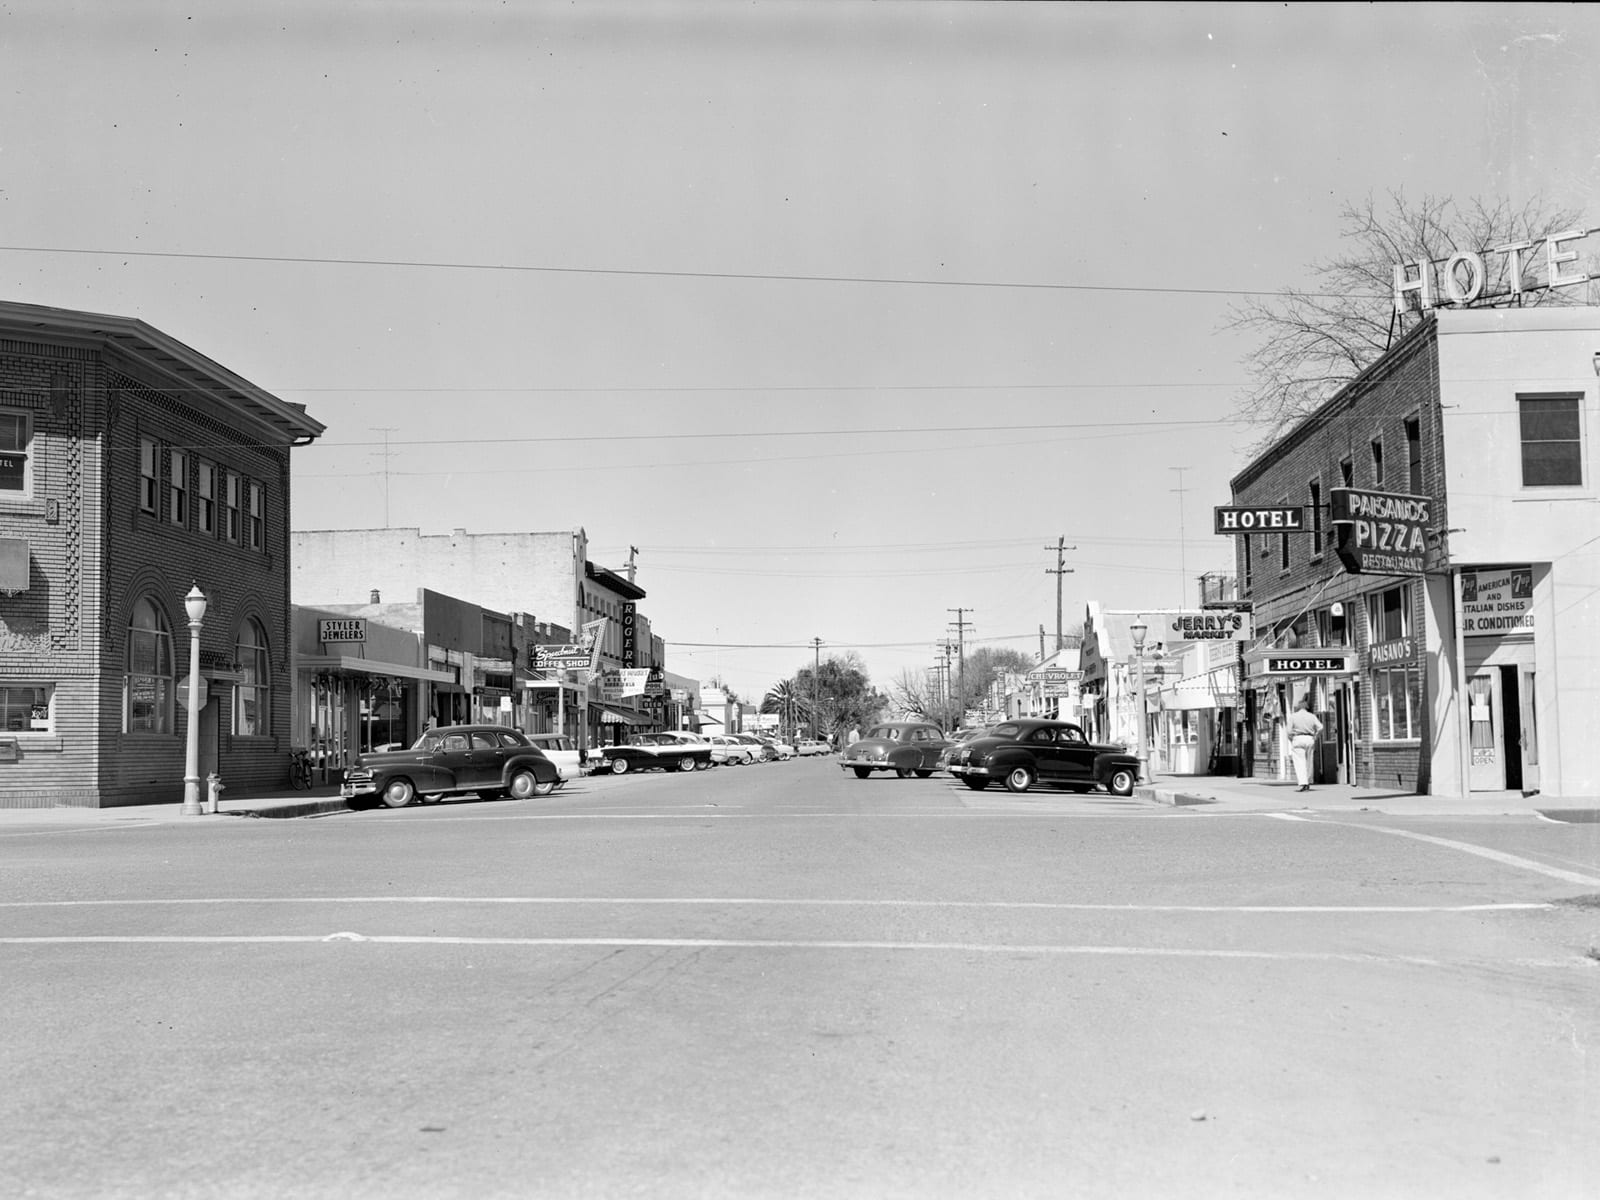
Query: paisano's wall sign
{"type": "Point", "coordinates": [1381, 533]}
{"type": "Point", "coordinates": [1464, 277]}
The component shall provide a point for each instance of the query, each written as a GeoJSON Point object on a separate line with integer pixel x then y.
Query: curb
{"type": "Point", "coordinates": [304, 808]}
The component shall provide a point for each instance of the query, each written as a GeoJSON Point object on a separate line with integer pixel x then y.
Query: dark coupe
{"type": "Point", "coordinates": [904, 747]}
{"type": "Point", "coordinates": [490, 760]}
{"type": "Point", "coordinates": [1024, 752]}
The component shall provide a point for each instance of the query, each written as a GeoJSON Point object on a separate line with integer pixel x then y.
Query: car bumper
{"type": "Point", "coordinates": [968, 769]}
{"type": "Point", "coordinates": [350, 790]}
{"type": "Point", "coordinates": [853, 764]}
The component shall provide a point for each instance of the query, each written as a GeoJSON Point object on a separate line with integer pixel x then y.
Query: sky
{"type": "Point", "coordinates": [838, 317]}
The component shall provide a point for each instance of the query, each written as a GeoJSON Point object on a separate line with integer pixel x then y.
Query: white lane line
{"type": "Point", "coordinates": [1499, 856]}
{"type": "Point", "coordinates": [782, 902]}
{"type": "Point", "coordinates": [1299, 956]}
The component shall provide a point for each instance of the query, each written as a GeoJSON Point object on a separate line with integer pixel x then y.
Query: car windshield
{"type": "Point", "coordinates": [886, 733]}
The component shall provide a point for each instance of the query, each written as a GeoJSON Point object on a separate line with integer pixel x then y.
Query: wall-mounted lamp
{"type": "Point", "coordinates": [1597, 362]}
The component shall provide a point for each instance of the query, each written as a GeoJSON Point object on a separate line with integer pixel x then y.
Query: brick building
{"type": "Point", "coordinates": [1459, 473]}
{"type": "Point", "coordinates": [133, 468]}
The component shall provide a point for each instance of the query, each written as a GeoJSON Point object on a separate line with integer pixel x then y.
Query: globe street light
{"type": "Point", "coordinates": [1139, 629]}
{"type": "Point", "coordinates": [195, 605]}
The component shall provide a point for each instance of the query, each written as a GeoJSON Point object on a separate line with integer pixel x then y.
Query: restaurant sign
{"type": "Point", "coordinates": [1496, 601]}
{"type": "Point", "coordinates": [1380, 533]}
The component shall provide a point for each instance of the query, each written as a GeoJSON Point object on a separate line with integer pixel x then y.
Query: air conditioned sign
{"type": "Point", "coordinates": [1381, 533]}
{"type": "Point", "coordinates": [1496, 601]}
{"type": "Point", "coordinates": [1283, 519]}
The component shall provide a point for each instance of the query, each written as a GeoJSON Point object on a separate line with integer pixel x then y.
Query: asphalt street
{"type": "Point", "coordinates": [779, 980]}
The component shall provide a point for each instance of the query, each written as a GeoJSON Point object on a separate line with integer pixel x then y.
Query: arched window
{"type": "Point", "coordinates": [252, 697]}
{"type": "Point", "coordinates": [147, 692]}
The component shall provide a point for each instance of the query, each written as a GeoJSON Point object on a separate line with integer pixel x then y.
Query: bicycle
{"type": "Point", "coordinates": [299, 770]}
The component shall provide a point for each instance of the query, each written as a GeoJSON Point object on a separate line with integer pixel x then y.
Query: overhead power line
{"type": "Point", "coordinates": [641, 272]}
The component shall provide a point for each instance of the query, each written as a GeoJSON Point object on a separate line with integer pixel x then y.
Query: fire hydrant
{"type": "Point", "coordinates": [214, 790]}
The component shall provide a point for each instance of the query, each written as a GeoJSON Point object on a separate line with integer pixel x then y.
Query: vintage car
{"type": "Point", "coordinates": [726, 748]}
{"type": "Point", "coordinates": [491, 760]}
{"type": "Point", "coordinates": [809, 746]}
{"type": "Point", "coordinates": [760, 747]}
{"type": "Point", "coordinates": [560, 749]}
{"type": "Point", "coordinates": [780, 748]}
{"type": "Point", "coordinates": [668, 751]}
{"type": "Point", "coordinates": [1024, 752]}
{"type": "Point", "coordinates": [905, 747]}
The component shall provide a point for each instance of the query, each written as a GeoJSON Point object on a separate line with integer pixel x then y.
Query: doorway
{"type": "Point", "coordinates": [1495, 710]}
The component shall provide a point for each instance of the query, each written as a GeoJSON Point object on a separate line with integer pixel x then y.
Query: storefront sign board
{"type": "Point", "coordinates": [1496, 601]}
{"type": "Point", "coordinates": [1381, 533]}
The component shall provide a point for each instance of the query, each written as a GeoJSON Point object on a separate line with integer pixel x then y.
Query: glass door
{"type": "Point", "coordinates": [1488, 771]}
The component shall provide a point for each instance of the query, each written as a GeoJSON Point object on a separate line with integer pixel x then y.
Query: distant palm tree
{"type": "Point", "coordinates": [786, 699]}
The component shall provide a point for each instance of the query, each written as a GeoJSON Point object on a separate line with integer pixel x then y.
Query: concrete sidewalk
{"type": "Point", "coordinates": [1228, 794]}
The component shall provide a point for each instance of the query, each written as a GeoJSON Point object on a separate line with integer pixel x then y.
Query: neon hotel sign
{"type": "Point", "coordinates": [1465, 273]}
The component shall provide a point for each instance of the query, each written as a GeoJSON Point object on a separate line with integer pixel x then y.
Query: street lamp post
{"type": "Point", "coordinates": [195, 605]}
{"type": "Point", "coordinates": [1139, 629]}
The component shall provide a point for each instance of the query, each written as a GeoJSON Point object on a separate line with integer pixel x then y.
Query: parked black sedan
{"type": "Point", "coordinates": [491, 760]}
{"type": "Point", "coordinates": [1024, 752]}
{"type": "Point", "coordinates": [904, 747]}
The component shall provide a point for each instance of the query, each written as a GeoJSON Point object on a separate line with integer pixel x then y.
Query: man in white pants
{"type": "Point", "coordinates": [1304, 728]}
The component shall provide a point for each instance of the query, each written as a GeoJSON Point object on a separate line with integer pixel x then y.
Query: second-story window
{"type": "Point", "coordinates": [230, 508]}
{"type": "Point", "coordinates": [205, 497]}
{"type": "Point", "coordinates": [1283, 543]}
{"type": "Point", "coordinates": [178, 489]}
{"type": "Point", "coordinates": [1377, 462]}
{"type": "Point", "coordinates": [149, 474]}
{"type": "Point", "coordinates": [1552, 440]}
{"type": "Point", "coordinates": [258, 518]}
{"type": "Point", "coordinates": [1414, 456]}
{"type": "Point", "coordinates": [1314, 500]}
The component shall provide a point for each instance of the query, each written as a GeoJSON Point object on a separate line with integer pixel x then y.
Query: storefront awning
{"type": "Point", "coordinates": [370, 666]}
{"type": "Point", "coordinates": [610, 716]}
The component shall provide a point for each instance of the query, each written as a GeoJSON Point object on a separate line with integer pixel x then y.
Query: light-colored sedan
{"type": "Point", "coordinates": [807, 746]}
{"type": "Point", "coordinates": [730, 750]}
{"type": "Point", "coordinates": [780, 748]}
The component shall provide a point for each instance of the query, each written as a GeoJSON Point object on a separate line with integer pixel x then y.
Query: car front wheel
{"type": "Point", "coordinates": [686, 763]}
{"type": "Point", "coordinates": [976, 782]}
{"type": "Point", "coordinates": [1121, 782]}
{"type": "Point", "coordinates": [862, 772]}
{"type": "Point", "coordinates": [525, 784]}
{"type": "Point", "coordinates": [619, 766]}
{"type": "Point", "coordinates": [1019, 779]}
{"type": "Point", "coordinates": [398, 793]}
{"type": "Point", "coordinates": [924, 774]}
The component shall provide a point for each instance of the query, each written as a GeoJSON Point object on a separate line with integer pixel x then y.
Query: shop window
{"type": "Point", "coordinates": [230, 508]}
{"type": "Point", "coordinates": [16, 446]}
{"type": "Point", "coordinates": [205, 498]}
{"type": "Point", "coordinates": [149, 474]}
{"type": "Point", "coordinates": [1396, 704]}
{"type": "Point", "coordinates": [252, 695]}
{"type": "Point", "coordinates": [258, 518]}
{"type": "Point", "coordinates": [178, 490]}
{"type": "Point", "coordinates": [27, 707]}
{"type": "Point", "coordinates": [1389, 614]}
{"type": "Point", "coordinates": [1552, 440]}
{"type": "Point", "coordinates": [1414, 456]}
{"type": "Point", "coordinates": [147, 682]}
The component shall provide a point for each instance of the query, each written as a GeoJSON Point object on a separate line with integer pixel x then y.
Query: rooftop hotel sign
{"type": "Point", "coordinates": [1464, 277]}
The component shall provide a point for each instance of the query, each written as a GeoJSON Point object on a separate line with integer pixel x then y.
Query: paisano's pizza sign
{"type": "Point", "coordinates": [1381, 533]}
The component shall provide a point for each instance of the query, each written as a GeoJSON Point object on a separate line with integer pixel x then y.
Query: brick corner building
{"type": "Point", "coordinates": [1440, 605]}
{"type": "Point", "coordinates": [133, 468]}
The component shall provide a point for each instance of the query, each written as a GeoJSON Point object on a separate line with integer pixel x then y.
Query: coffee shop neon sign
{"type": "Point", "coordinates": [1420, 284]}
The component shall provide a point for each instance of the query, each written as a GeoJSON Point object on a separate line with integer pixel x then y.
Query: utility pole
{"type": "Point", "coordinates": [816, 672]}
{"type": "Point", "coordinates": [1058, 571]}
{"type": "Point", "coordinates": [386, 431]}
{"type": "Point", "coordinates": [1183, 566]}
{"type": "Point", "coordinates": [632, 552]}
{"type": "Point", "coordinates": [961, 657]}
{"type": "Point", "coordinates": [1041, 641]}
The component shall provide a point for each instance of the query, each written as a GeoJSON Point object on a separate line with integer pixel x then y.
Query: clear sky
{"type": "Point", "coordinates": [840, 313]}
